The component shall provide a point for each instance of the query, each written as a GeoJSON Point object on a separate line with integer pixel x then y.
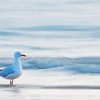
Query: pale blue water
{"type": "Point", "coordinates": [52, 28]}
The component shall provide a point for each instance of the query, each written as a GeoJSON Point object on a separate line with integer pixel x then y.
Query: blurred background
{"type": "Point", "coordinates": [50, 28]}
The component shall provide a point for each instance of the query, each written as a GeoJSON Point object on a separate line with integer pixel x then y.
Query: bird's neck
{"type": "Point", "coordinates": [17, 62]}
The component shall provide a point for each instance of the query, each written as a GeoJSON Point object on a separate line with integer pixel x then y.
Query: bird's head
{"type": "Point", "coordinates": [19, 54]}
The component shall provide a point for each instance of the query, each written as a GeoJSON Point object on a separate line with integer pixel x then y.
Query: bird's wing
{"type": "Point", "coordinates": [7, 71]}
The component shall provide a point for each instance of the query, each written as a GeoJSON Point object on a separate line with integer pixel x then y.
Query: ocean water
{"type": "Point", "coordinates": [51, 29]}
{"type": "Point", "coordinates": [55, 28]}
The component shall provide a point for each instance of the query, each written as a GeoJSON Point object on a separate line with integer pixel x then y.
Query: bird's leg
{"type": "Point", "coordinates": [10, 82]}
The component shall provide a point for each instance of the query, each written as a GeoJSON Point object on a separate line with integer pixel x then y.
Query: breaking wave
{"type": "Point", "coordinates": [77, 65]}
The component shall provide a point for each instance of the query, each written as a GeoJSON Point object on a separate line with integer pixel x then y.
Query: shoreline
{"type": "Point", "coordinates": [41, 85]}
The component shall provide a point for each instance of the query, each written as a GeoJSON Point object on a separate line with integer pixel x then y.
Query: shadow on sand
{"type": "Point", "coordinates": [34, 86]}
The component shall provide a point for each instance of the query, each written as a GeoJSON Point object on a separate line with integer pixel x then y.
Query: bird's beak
{"type": "Point", "coordinates": [23, 55]}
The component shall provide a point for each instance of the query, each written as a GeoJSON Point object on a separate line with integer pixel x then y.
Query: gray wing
{"type": "Point", "coordinates": [7, 71]}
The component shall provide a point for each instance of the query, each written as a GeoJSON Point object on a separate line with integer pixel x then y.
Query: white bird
{"type": "Point", "coordinates": [14, 71]}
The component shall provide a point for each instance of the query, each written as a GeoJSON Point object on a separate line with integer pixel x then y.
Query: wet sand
{"type": "Point", "coordinates": [41, 85]}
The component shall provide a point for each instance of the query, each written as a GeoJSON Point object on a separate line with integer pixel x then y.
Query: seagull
{"type": "Point", "coordinates": [15, 70]}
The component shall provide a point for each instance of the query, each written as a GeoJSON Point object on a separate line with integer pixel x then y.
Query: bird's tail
{"type": "Point", "coordinates": [0, 72]}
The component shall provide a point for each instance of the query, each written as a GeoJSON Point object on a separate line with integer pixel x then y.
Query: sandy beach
{"type": "Point", "coordinates": [42, 85]}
